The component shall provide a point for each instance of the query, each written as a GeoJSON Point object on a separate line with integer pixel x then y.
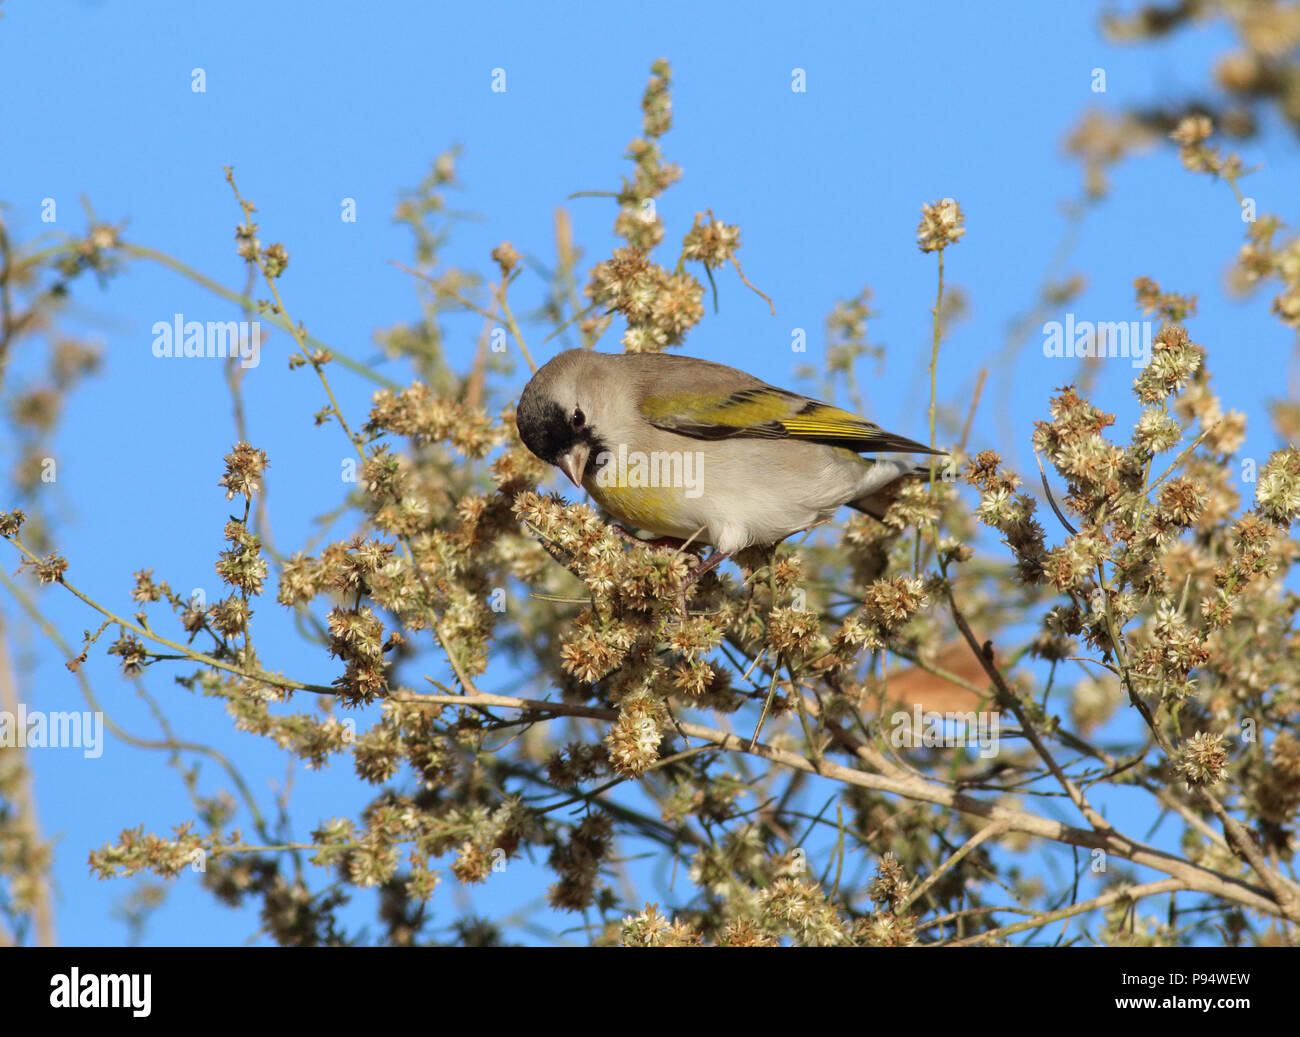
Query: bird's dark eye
{"type": "Point", "coordinates": [579, 419]}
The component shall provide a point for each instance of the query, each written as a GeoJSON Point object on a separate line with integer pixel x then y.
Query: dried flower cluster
{"type": "Point", "coordinates": [942, 224]}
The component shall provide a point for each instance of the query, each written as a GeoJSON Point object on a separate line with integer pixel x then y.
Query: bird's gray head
{"type": "Point", "coordinates": [555, 412]}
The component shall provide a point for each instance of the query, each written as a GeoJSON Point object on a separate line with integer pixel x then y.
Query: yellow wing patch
{"type": "Point", "coordinates": [823, 421]}
{"type": "Point", "coordinates": [730, 410]}
{"type": "Point", "coordinates": [770, 413]}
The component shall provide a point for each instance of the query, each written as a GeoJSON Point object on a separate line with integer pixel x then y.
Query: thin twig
{"type": "Point", "coordinates": [1191, 876]}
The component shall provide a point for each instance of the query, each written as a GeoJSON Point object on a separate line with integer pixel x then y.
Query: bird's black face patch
{"type": "Point", "coordinates": [549, 431]}
{"type": "Point", "coordinates": [544, 427]}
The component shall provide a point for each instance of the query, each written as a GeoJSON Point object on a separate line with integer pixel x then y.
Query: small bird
{"type": "Point", "coordinates": [692, 450]}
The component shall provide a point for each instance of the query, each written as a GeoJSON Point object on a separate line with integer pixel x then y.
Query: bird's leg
{"type": "Point", "coordinates": [694, 575]}
{"type": "Point", "coordinates": [705, 567]}
{"type": "Point", "coordinates": [676, 544]}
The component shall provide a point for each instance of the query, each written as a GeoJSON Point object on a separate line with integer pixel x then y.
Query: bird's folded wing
{"type": "Point", "coordinates": [770, 413]}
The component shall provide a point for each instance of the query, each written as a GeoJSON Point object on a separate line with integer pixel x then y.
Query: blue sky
{"type": "Point", "coordinates": [315, 102]}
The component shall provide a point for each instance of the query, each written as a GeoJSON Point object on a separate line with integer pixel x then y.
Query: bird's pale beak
{"type": "Point", "coordinates": [573, 463]}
